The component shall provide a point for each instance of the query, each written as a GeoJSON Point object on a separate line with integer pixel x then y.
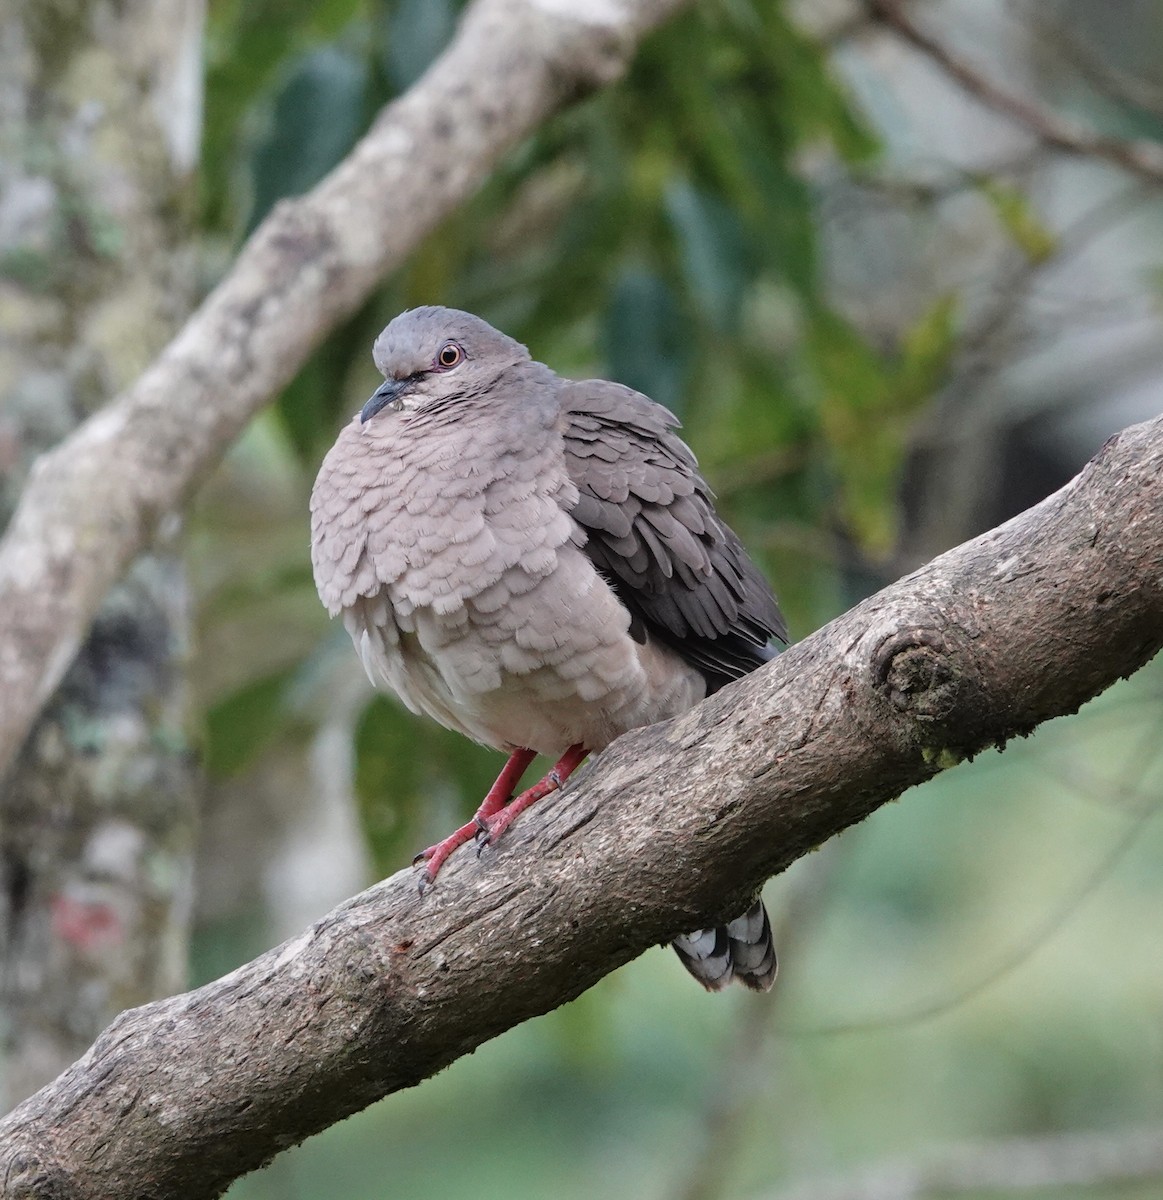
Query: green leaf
{"type": "Point", "coordinates": [867, 403]}
{"type": "Point", "coordinates": [644, 337]}
{"type": "Point", "coordinates": [713, 251]}
{"type": "Point", "coordinates": [783, 225]}
{"type": "Point", "coordinates": [814, 103]}
{"type": "Point", "coordinates": [1014, 211]}
{"type": "Point", "coordinates": [416, 33]}
{"type": "Point", "coordinates": [317, 118]}
{"type": "Point", "coordinates": [927, 350]}
{"type": "Point", "coordinates": [247, 43]}
{"type": "Point", "coordinates": [240, 727]}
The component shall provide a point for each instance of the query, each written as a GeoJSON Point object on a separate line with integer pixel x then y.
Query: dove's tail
{"type": "Point", "coordinates": [742, 949]}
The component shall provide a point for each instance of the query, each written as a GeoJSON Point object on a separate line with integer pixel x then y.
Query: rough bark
{"type": "Point", "coordinates": [95, 501]}
{"type": "Point", "coordinates": [99, 121]}
{"type": "Point", "coordinates": [674, 826]}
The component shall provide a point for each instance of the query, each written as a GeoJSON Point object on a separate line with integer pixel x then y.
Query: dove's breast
{"type": "Point", "coordinates": [460, 580]}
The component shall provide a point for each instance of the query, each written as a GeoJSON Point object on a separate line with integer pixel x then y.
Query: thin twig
{"type": "Point", "coordinates": [1105, 78]}
{"type": "Point", "coordinates": [1138, 156]}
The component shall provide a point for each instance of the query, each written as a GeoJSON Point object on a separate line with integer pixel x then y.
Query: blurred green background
{"type": "Point", "coordinates": [888, 320]}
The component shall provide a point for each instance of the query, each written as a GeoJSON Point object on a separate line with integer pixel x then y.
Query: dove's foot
{"type": "Point", "coordinates": [488, 829]}
{"type": "Point", "coordinates": [499, 795]}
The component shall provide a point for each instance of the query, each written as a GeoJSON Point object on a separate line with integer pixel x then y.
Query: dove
{"type": "Point", "coordinates": [536, 563]}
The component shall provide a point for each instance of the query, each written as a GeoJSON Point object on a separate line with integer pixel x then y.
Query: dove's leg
{"type": "Point", "coordinates": [499, 795]}
{"type": "Point", "coordinates": [491, 828]}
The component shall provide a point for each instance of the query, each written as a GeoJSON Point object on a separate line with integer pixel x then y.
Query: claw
{"type": "Point", "coordinates": [427, 879]}
{"type": "Point", "coordinates": [498, 809]}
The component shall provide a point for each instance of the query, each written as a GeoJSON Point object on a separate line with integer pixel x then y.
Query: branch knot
{"type": "Point", "coordinates": [917, 674]}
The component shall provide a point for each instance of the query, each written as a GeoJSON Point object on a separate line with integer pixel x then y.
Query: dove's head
{"type": "Point", "coordinates": [431, 354]}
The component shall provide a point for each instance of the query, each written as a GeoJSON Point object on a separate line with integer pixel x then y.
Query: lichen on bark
{"type": "Point", "coordinates": [96, 815]}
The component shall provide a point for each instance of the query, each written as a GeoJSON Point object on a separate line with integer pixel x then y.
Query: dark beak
{"type": "Point", "coordinates": [387, 393]}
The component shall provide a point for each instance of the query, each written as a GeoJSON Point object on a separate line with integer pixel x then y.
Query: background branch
{"type": "Point", "coordinates": [96, 500]}
{"type": "Point", "coordinates": [1139, 156]}
{"type": "Point", "coordinates": [673, 826]}
{"type": "Point", "coordinates": [1106, 78]}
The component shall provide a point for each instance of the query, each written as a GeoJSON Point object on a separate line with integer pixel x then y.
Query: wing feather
{"type": "Point", "coordinates": [651, 528]}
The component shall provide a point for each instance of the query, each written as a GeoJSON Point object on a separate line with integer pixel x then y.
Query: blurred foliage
{"type": "Point", "coordinates": [866, 405]}
{"type": "Point", "coordinates": [1017, 215]}
{"type": "Point", "coordinates": [670, 233]}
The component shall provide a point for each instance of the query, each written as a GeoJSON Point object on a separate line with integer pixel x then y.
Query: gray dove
{"type": "Point", "coordinates": [535, 563]}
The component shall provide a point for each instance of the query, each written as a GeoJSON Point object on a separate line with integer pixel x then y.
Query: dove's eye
{"type": "Point", "coordinates": [449, 355]}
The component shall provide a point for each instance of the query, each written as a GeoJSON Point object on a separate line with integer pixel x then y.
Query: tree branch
{"type": "Point", "coordinates": [675, 825]}
{"type": "Point", "coordinates": [1109, 79]}
{"type": "Point", "coordinates": [94, 501]}
{"type": "Point", "coordinates": [1140, 157]}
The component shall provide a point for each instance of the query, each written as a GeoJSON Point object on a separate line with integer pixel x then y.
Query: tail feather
{"type": "Point", "coordinates": [742, 949]}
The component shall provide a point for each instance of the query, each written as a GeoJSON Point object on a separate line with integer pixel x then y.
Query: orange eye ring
{"type": "Point", "coordinates": [449, 355]}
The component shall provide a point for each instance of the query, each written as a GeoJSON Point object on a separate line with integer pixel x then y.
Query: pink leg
{"type": "Point", "coordinates": [491, 828]}
{"type": "Point", "coordinates": [499, 795]}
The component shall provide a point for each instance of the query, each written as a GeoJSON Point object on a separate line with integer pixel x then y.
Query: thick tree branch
{"type": "Point", "coordinates": [1140, 157]}
{"type": "Point", "coordinates": [95, 501]}
{"type": "Point", "coordinates": [674, 825]}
